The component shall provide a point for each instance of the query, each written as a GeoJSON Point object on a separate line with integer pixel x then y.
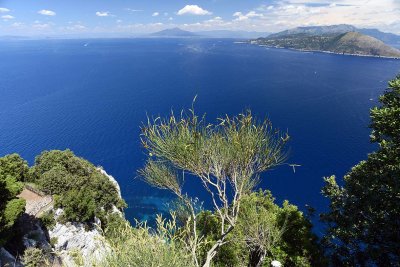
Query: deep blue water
{"type": "Point", "coordinates": [58, 94]}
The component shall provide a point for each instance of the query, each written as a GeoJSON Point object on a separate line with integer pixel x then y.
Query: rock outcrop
{"type": "Point", "coordinates": [75, 244]}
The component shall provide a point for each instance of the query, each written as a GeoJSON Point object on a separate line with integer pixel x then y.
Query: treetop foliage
{"type": "Point", "coordinates": [82, 190]}
{"type": "Point", "coordinates": [364, 217]}
{"type": "Point", "coordinates": [13, 170]}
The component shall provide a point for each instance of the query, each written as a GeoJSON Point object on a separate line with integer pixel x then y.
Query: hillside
{"type": "Point", "coordinates": [232, 34]}
{"type": "Point", "coordinates": [354, 43]}
{"type": "Point", "coordinates": [174, 32]}
{"type": "Point", "coordinates": [388, 38]}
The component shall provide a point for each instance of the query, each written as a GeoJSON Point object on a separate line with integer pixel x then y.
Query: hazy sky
{"type": "Point", "coordinates": [83, 17]}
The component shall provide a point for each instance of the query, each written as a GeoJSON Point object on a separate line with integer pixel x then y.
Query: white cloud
{"type": "Point", "coordinates": [17, 24]}
{"type": "Point", "coordinates": [76, 27]}
{"type": "Point", "coordinates": [170, 18]}
{"type": "Point", "coordinates": [284, 14]}
{"type": "Point", "coordinates": [155, 14]}
{"type": "Point", "coordinates": [7, 17]}
{"type": "Point", "coordinates": [193, 10]}
{"type": "Point", "coordinates": [4, 10]}
{"type": "Point", "coordinates": [252, 14]}
{"type": "Point", "coordinates": [41, 26]}
{"type": "Point", "coordinates": [103, 14]}
{"type": "Point", "coordinates": [134, 10]}
{"type": "Point", "coordinates": [46, 12]}
{"type": "Point", "coordinates": [119, 20]}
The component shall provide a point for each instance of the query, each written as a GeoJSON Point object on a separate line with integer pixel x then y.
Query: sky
{"type": "Point", "coordinates": [124, 17]}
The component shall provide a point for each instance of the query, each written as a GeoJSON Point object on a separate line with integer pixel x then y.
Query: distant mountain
{"type": "Point", "coordinates": [13, 37]}
{"type": "Point", "coordinates": [232, 34]}
{"type": "Point", "coordinates": [177, 32]}
{"type": "Point", "coordinates": [388, 38]}
{"type": "Point", "coordinates": [354, 43]}
{"type": "Point", "coordinates": [316, 30]}
{"type": "Point", "coordinates": [174, 32]}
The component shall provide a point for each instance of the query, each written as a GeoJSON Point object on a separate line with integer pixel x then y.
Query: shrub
{"type": "Point", "coordinates": [12, 171]}
{"type": "Point", "coordinates": [47, 219]}
{"type": "Point", "coordinates": [77, 256]}
{"type": "Point", "coordinates": [34, 257]}
{"type": "Point", "coordinates": [82, 190]}
{"type": "Point", "coordinates": [15, 166]}
{"type": "Point", "coordinates": [139, 247]}
{"type": "Point", "coordinates": [53, 241]}
{"type": "Point", "coordinates": [265, 232]}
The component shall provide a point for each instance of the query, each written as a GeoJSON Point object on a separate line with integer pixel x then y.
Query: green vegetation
{"type": "Point", "coordinates": [353, 43]}
{"type": "Point", "coordinates": [13, 170]}
{"type": "Point", "coordinates": [226, 158]}
{"type": "Point", "coordinates": [47, 219]}
{"type": "Point", "coordinates": [364, 222]}
{"type": "Point", "coordinates": [81, 190]}
{"type": "Point", "coordinates": [77, 257]}
{"type": "Point", "coordinates": [141, 247]}
{"type": "Point", "coordinates": [245, 228]}
{"type": "Point", "coordinates": [34, 257]}
{"type": "Point", "coordinates": [265, 232]}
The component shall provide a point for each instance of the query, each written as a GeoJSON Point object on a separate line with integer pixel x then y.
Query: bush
{"type": "Point", "coordinates": [138, 247]}
{"type": "Point", "coordinates": [34, 257]}
{"type": "Point", "coordinates": [77, 256]}
{"type": "Point", "coordinates": [47, 219]}
{"type": "Point", "coordinates": [53, 241]}
{"type": "Point", "coordinates": [15, 166]}
{"type": "Point", "coordinates": [12, 171]}
{"type": "Point", "coordinates": [82, 190]}
{"type": "Point", "coordinates": [265, 232]}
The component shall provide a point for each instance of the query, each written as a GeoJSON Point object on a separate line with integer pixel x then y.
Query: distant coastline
{"type": "Point", "coordinates": [317, 51]}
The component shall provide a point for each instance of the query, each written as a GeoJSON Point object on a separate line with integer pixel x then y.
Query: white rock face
{"type": "Point", "coordinates": [72, 237]}
{"type": "Point", "coordinates": [112, 179]}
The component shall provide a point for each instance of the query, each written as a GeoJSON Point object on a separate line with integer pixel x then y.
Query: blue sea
{"type": "Point", "coordinates": [92, 95]}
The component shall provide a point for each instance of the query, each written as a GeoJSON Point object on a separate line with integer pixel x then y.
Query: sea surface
{"type": "Point", "coordinates": [92, 95]}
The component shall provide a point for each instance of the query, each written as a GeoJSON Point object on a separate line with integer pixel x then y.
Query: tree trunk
{"type": "Point", "coordinates": [213, 251]}
{"type": "Point", "coordinates": [256, 258]}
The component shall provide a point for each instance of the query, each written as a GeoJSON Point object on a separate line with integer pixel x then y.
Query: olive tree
{"type": "Point", "coordinates": [227, 157]}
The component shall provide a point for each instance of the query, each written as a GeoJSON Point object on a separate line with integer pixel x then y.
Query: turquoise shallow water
{"type": "Point", "coordinates": [91, 96]}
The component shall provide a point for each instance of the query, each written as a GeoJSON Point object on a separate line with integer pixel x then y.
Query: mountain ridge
{"type": "Point", "coordinates": [351, 43]}
{"type": "Point", "coordinates": [388, 38]}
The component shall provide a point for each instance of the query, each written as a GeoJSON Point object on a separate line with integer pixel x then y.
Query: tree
{"type": "Point", "coordinates": [265, 232]}
{"type": "Point", "coordinates": [12, 171]}
{"type": "Point", "coordinates": [363, 221]}
{"type": "Point", "coordinates": [14, 165]}
{"type": "Point", "coordinates": [226, 157]}
{"type": "Point", "coordinates": [81, 189]}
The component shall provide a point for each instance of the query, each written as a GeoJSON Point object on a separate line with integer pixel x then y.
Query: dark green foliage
{"type": "Point", "coordinates": [112, 225]}
{"type": "Point", "coordinates": [13, 165]}
{"type": "Point", "coordinates": [82, 191]}
{"type": "Point", "coordinates": [56, 180]}
{"type": "Point", "coordinates": [363, 221]}
{"type": "Point", "coordinates": [12, 170]}
{"type": "Point", "coordinates": [284, 231]}
{"type": "Point", "coordinates": [230, 255]}
{"type": "Point", "coordinates": [47, 219]}
{"type": "Point", "coordinates": [79, 206]}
